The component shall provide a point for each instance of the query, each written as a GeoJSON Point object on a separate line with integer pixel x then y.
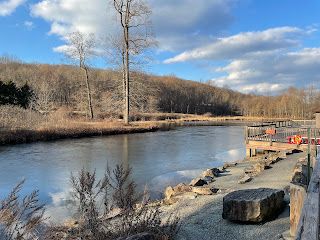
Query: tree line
{"type": "Point", "coordinates": [46, 88]}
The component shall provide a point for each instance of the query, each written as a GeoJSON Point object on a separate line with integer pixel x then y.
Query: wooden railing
{"type": "Point", "coordinates": [304, 122]}
{"type": "Point", "coordinates": [308, 226]}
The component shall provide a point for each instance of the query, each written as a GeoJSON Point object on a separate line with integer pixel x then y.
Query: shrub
{"type": "Point", "coordinates": [20, 220]}
{"type": "Point", "coordinates": [118, 196]}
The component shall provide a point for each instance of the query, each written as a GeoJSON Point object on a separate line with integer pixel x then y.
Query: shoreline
{"type": "Point", "coordinates": [201, 214]}
{"type": "Point", "coordinates": [79, 129]}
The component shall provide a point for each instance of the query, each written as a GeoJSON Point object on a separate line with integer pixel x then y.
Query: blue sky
{"type": "Point", "coordinates": [248, 45]}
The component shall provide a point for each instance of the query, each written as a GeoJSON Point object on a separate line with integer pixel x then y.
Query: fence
{"type": "Point", "coordinates": [283, 130]}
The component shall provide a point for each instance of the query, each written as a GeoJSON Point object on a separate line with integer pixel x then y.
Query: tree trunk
{"type": "Point", "coordinates": [89, 94]}
{"type": "Point", "coordinates": [127, 103]}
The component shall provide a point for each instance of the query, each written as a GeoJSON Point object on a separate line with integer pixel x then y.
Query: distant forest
{"type": "Point", "coordinates": [53, 87]}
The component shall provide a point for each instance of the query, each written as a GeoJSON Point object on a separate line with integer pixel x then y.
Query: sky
{"type": "Point", "coordinates": [247, 45]}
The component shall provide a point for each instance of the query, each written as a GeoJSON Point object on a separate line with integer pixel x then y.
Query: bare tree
{"type": "Point", "coordinates": [137, 37]}
{"type": "Point", "coordinates": [79, 51]}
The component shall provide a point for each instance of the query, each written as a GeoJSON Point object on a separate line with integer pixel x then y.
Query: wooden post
{"type": "Point", "coordinates": [308, 226]}
{"type": "Point", "coordinates": [246, 134]}
{"type": "Point", "coordinates": [297, 195]}
{"type": "Point", "coordinates": [309, 155]}
{"type": "Point", "coordinates": [248, 152]}
{"type": "Point", "coordinates": [254, 151]}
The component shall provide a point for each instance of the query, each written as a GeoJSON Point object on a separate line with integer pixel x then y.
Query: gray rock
{"type": "Point", "coordinates": [211, 172]}
{"type": "Point", "coordinates": [208, 179]}
{"type": "Point", "coordinates": [205, 190]}
{"type": "Point", "coordinates": [250, 172]}
{"type": "Point", "coordinates": [226, 165]}
{"type": "Point", "coordinates": [198, 182]}
{"type": "Point", "coordinates": [181, 188]}
{"type": "Point", "coordinates": [252, 205]}
{"type": "Point", "coordinates": [245, 179]}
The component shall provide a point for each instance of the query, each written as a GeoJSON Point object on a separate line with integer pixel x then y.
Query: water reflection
{"type": "Point", "coordinates": [157, 159]}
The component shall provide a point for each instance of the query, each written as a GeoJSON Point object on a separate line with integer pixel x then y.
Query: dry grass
{"type": "Point", "coordinates": [20, 218]}
{"type": "Point", "coordinates": [19, 125]}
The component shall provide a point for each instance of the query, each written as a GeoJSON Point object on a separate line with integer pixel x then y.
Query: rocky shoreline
{"type": "Point", "coordinates": [199, 204]}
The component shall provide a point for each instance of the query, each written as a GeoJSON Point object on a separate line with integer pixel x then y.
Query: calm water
{"type": "Point", "coordinates": [157, 159]}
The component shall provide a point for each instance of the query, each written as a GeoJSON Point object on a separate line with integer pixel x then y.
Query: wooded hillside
{"type": "Point", "coordinates": [63, 86]}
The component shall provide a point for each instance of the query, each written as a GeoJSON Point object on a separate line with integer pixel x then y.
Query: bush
{"type": "Point", "coordinates": [20, 220]}
{"type": "Point", "coordinates": [120, 217]}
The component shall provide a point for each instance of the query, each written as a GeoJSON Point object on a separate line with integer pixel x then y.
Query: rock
{"type": "Point", "coordinates": [198, 182]}
{"type": "Point", "coordinates": [300, 176]}
{"type": "Point", "coordinates": [205, 190]}
{"type": "Point", "coordinates": [169, 192]}
{"type": "Point", "coordinates": [266, 162]}
{"type": "Point", "coordinates": [140, 236]}
{"type": "Point", "coordinates": [211, 172]}
{"type": "Point", "coordinates": [273, 158]}
{"type": "Point", "coordinates": [289, 151]}
{"type": "Point", "coordinates": [181, 188]}
{"type": "Point", "coordinates": [252, 205]}
{"type": "Point", "coordinates": [208, 179]}
{"type": "Point", "coordinates": [259, 167]}
{"type": "Point", "coordinates": [226, 165]}
{"type": "Point", "coordinates": [286, 190]}
{"type": "Point", "coordinates": [282, 155]}
{"type": "Point", "coordinates": [250, 172]}
{"type": "Point", "coordinates": [245, 179]}
{"type": "Point", "coordinates": [221, 169]}
{"type": "Point", "coordinates": [180, 197]}
{"type": "Point", "coordinates": [224, 191]}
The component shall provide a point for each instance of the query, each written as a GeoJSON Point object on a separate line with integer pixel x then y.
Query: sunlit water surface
{"type": "Point", "coordinates": [157, 159]}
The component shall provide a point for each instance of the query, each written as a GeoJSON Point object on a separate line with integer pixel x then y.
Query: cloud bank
{"type": "Point", "coordinates": [261, 61]}
{"type": "Point", "coordinates": [8, 7]}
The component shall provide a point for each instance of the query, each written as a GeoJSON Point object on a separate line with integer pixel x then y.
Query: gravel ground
{"type": "Point", "coordinates": [201, 218]}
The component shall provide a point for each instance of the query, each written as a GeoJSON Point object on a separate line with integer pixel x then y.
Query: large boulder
{"type": "Point", "coordinates": [252, 205]}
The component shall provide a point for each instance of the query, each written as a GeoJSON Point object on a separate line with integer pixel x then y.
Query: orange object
{"type": "Point", "coordinates": [270, 131]}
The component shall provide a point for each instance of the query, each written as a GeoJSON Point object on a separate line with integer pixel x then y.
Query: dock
{"type": "Point", "coordinates": [280, 135]}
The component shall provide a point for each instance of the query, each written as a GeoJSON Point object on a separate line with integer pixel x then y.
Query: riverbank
{"type": "Point", "coordinates": [27, 126]}
{"type": "Point", "coordinates": [201, 216]}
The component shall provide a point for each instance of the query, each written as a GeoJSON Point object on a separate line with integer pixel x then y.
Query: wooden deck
{"type": "Point", "coordinates": [304, 224]}
{"type": "Point", "coordinates": [256, 136]}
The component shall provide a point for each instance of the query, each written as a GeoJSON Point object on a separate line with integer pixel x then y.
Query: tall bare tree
{"type": "Point", "coordinates": [137, 37]}
{"type": "Point", "coordinates": [79, 51]}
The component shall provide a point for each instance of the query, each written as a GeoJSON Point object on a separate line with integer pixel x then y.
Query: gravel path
{"type": "Point", "coordinates": [201, 218]}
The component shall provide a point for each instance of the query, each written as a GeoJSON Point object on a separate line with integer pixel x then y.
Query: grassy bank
{"type": "Point", "coordinates": [21, 126]}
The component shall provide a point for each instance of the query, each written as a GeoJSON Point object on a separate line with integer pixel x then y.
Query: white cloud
{"type": "Point", "coordinates": [29, 25]}
{"type": "Point", "coordinates": [175, 22]}
{"type": "Point", "coordinates": [243, 44]}
{"type": "Point", "coordinates": [8, 7]}
{"type": "Point", "coordinates": [272, 72]}
{"type": "Point", "coordinates": [66, 16]}
{"type": "Point", "coordinates": [261, 61]}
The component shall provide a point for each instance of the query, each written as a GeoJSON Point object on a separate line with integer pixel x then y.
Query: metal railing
{"type": "Point", "coordinates": [283, 130]}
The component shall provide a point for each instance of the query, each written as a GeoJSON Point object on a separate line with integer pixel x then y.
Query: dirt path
{"type": "Point", "coordinates": [201, 217]}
